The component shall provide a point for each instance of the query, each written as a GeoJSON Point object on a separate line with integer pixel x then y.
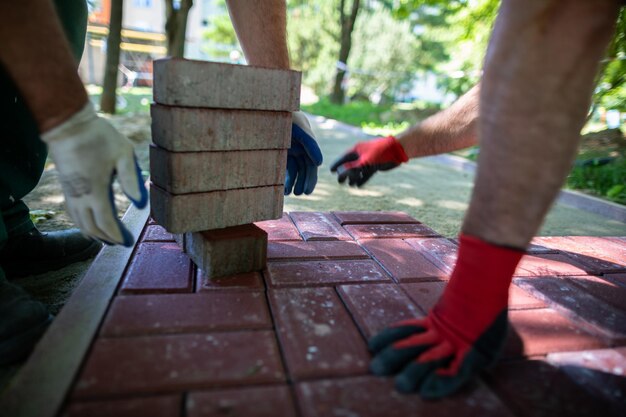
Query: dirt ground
{"type": "Point", "coordinates": [427, 190]}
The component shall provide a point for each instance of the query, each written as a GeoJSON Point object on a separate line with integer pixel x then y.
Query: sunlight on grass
{"type": "Point", "coordinates": [411, 201]}
{"type": "Point", "coordinates": [452, 205]}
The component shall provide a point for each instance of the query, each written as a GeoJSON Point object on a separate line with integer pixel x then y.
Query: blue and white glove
{"type": "Point", "coordinates": [303, 157]}
{"type": "Point", "coordinates": [88, 151]}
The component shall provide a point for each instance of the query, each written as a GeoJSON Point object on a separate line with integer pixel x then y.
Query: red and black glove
{"type": "Point", "coordinates": [362, 161]}
{"type": "Point", "coordinates": [462, 335]}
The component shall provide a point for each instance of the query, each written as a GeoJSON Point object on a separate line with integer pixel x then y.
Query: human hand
{"type": "Point", "coordinates": [365, 158]}
{"type": "Point", "coordinates": [462, 335]}
{"type": "Point", "coordinates": [88, 151]}
{"type": "Point", "coordinates": [303, 157]}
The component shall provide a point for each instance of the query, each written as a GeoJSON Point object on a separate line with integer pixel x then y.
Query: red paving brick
{"type": "Point", "coordinates": [319, 273]}
{"type": "Point", "coordinates": [281, 229]}
{"type": "Point", "coordinates": [318, 226]}
{"type": "Point", "coordinates": [250, 281]}
{"type": "Point", "coordinates": [152, 364]}
{"type": "Point", "coordinates": [537, 389]}
{"type": "Point", "coordinates": [389, 231]}
{"type": "Point", "coordinates": [156, 233]}
{"type": "Point", "coordinates": [186, 313]}
{"type": "Point", "coordinates": [272, 401]}
{"type": "Point", "coordinates": [598, 254]}
{"type": "Point", "coordinates": [619, 279]}
{"type": "Point", "coordinates": [376, 306]}
{"type": "Point", "coordinates": [602, 288]}
{"type": "Point", "coordinates": [578, 305]}
{"type": "Point", "coordinates": [158, 268]}
{"type": "Point", "coordinates": [549, 265]}
{"type": "Point", "coordinates": [603, 372]}
{"type": "Point", "coordinates": [370, 396]}
{"type": "Point", "coordinates": [442, 252]}
{"type": "Point", "coordinates": [541, 331]}
{"type": "Point", "coordinates": [373, 217]}
{"type": "Point", "coordinates": [402, 261]}
{"type": "Point", "coordinates": [155, 406]}
{"type": "Point", "coordinates": [164, 349]}
{"type": "Point", "coordinates": [315, 250]}
{"type": "Point", "coordinates": [426, 295]}
{"type": "Point", "coordinates": [316, 333]}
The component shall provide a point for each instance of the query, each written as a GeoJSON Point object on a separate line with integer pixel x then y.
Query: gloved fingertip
{"type": "Point", "coordinates": [404, 384]}
{"type": "Point", "coordinates": [378, 367]}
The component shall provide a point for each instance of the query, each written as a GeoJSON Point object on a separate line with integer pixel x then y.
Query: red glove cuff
{"type": "Point", "coordinates": [395, 147]}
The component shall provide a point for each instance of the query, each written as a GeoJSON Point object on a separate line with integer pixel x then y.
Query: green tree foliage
{"type": "Point", "coordinates": [383, 63]}
{"type": "Point", "coordinates": [220, 38]}
{"type": "Point", "coordinates": [313, 44]}
{"type": "Point", "coordinates": [611, 90]}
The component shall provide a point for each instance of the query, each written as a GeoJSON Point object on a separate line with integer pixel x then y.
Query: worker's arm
{"type": "Point", "coordinates": [449, 130]}
{"type": "Point", "coordinates": [86, 149]}
{"type": "Point", "coordinates": [36, 55]}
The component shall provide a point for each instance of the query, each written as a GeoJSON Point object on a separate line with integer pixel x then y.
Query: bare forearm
{"type": "Point", "coordinates": [37, 57]}
{"type": "Point", "coordinates": [261, 30]}
{"type": "Point", "coordinates": [449, 130]}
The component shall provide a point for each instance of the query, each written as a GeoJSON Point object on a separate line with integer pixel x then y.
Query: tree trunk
{"type": "Point", "coordinates": [347, 26]}
{"type": "Point", "coordinates": [109, 86]}
{"type": "Point", "coordinates": [176, 26]}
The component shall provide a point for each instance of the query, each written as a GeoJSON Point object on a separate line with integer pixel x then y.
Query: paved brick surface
{"type": "Point", "coordinates": [379, 231]}
{"type": "Point", "coordinates": [281, 229]}
{"type": "Point", "coordinates": [549, 265]}
{"type": "Point", "coordinates": [376, 306]}
{"type": "Point", "coordinates": [316, 334]}
{"type": "Point", "coordinates": [291, 340]}
{"type": "Point", "coordinates": [158, 267]}
{"type": "Point", "coordinates": [186, 313]}
{"type": "Point", "coordinates": [578, 304]}
{"type": "Point", "coordinates": [318, 273]}
{"type": "Point", "coordinates": [156, 233]}
{"type": "Point", "coordinates": [153, 406]}
{"type": "Point", "coordinates": [178, 362]}
{"type": "Point", "coordinates": [315, 250]}
{"type": "Point", "coordinates": [251, 281]}
{"type": "Point", "coordinates": [537, 389]}
{"type": "Point", "coordinates": [376, 217]}
{"type": "Point", "coordinates": [402, 261]}
{"type": "Point", "coordinates": [319, 226]}
{"type": "Point", "coordinates": [270, 401]}
{"type": "Point", "coordinates": [370, 396]}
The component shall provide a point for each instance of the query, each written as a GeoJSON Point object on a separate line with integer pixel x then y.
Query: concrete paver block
{"type": "Point", "coordinates": [183, 129]}
{"type": "Point", "coordinates": [229, 251]}
{"type": "Point", "coordinates": [194, 172]}
{"type": "Point", "coordinates": [215, 209]}
{"type": "Point", "coordinates": [183, 82]}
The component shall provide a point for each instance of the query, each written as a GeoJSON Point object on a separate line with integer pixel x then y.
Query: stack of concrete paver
{"type": "Point", "coordinates": [221, 134]}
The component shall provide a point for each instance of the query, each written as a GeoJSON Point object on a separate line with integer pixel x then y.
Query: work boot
{"type": "Point", "coordinates": [22, 323]}
{"type": "Point", "coordinates": [35, 252]}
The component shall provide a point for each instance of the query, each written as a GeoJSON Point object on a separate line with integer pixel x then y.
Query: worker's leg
{"type": "Point", "coordinates": [261, 27]}
{"type": "Point", "coordinates": [536, 86]}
